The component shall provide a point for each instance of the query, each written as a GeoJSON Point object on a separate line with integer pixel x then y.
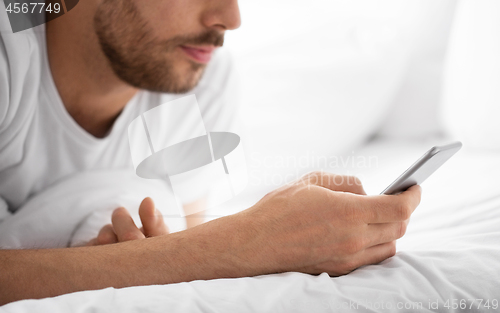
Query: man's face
{"type": "Point", "coordinates": [163, 45]}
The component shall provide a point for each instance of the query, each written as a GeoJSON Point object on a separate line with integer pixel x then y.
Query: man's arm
{"type": "Point", "coordinates": [123, 227]}
{"type": "Point", "coordinates": [184, 256]}
{"type": "Point", "coordinates": [307, 226]}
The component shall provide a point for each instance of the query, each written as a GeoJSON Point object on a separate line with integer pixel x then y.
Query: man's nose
{"type": "Point", "coordinates": [222, 15]}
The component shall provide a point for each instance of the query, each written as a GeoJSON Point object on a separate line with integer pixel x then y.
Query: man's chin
{"type": "Point", "coordinates": [176, 83]}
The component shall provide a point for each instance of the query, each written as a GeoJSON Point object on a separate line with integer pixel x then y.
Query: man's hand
{"type": "Point", "coordinates": [123, 227]}
{"type": "Point", "coordinates": [326, 223]}
{"type": "Point", "coordinates": [321, 223]}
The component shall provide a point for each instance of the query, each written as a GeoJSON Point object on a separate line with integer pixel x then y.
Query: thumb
{"type": "Point", "coordinates": [152, 221]}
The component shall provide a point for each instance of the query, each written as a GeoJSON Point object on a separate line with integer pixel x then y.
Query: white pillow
{"type": "Point", "coordinates": [73, 211]}
{"type": "Point", "coordinates": [415, 108]}
{"type": "Point", "coordinates": [470, 106]}
{"type": "Point", "coordinates": [321, 77]}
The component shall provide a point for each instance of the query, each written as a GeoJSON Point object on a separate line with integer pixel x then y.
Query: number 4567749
{"type": "Point", "coordinates": [33, 7]}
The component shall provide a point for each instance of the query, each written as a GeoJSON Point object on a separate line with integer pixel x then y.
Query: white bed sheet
{"type": "Point", "coordinates": [451, 251]}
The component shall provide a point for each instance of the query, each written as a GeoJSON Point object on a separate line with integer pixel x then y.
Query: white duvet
{"type": "Point", "coordinates": [448, 260]}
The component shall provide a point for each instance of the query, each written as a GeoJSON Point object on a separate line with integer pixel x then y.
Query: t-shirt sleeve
{"type": "Point", "coordinates": [20, 70]}
{"type": "Point", "coordinates": [20, 66]}
{"type": "Point", "coordinates": [4, 71]}
{"type": "Point", "coordinates": [4, 100]}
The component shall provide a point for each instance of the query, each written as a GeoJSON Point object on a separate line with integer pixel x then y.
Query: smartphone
{"type": "Point", "coordinates": [423, 168]}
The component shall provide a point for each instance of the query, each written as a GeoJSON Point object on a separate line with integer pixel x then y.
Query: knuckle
{"type": "Point", "coordinates": [404, 211]}
{"type": "Point", "coordinates": [362, 243]}
{"type": "Point", "coordinates": [104, 238]}
{"type": "Point", "coordinates": [314, 177]}
{"type": "Point", "coordinates": [392, 249]}
{"type": "Point", "coordinates": [347, 266]}
{"type": "Point", "coordinates": [352, 246]}
{"type": "Point", "coordinates": [373, 207]}
{"type": "Point", "coordinates": [401, 229]}
{"type": "Point", "coordinates": [315, 174]}
{"type": "Point", "coordinates": [340, 181]}
{"type": "Point", "coordinates": [353, 214]}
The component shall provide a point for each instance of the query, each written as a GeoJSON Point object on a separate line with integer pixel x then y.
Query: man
{"type": "Point", "coordinates": [64, 108]}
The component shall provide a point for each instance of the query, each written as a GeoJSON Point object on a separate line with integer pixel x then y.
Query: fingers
{"type": "Point", "coordinates": [152, 220]}
{"type": "Point", "coordinates": [107, 235]}
{"type": "Point", "coordinates": [92, 242]}
{"type": "Point", "coordinates": [381, 233]}
{"type": "Point", "coordinates": [334, 182]}
{"type": "Point", "coordinates": [124, 226]}
{"type": "Point", "coordinates": [371, 255]}
{"type": "Point", "coordinates": [378, 253]}
{"type": "Point", "coordinates": [391, 208]}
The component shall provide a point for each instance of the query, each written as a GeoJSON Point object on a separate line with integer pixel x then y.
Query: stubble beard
{"type": "Point", "coordinates": [140, 60]}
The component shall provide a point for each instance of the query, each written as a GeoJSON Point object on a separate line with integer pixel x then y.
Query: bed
{"type": "Point", "coordinates": [446, 262]}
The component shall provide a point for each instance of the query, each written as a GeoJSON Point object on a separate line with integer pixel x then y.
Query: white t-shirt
{"type": "Point", "coordinates": [41, 144]}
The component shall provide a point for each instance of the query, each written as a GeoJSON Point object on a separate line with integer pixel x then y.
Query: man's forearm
{"type": "Point", "coordinates": [300, 227]}
{"type": "Point", "coordinates": [206, 252]}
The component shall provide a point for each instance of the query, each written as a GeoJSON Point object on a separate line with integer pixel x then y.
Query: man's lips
{"type": "Point", "coordinates": [201, 54]}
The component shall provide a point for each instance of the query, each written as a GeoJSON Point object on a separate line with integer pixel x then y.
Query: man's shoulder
{"type": "Point", "coordinates": [20, 70]}
{"type": "Point", "coordinates": [17, 49]}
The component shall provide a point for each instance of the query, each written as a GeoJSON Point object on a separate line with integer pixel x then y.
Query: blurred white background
{"type": "Point", "coordinates": [339, 70]}
{"type": "Point", "coordinates": [322, 77]}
